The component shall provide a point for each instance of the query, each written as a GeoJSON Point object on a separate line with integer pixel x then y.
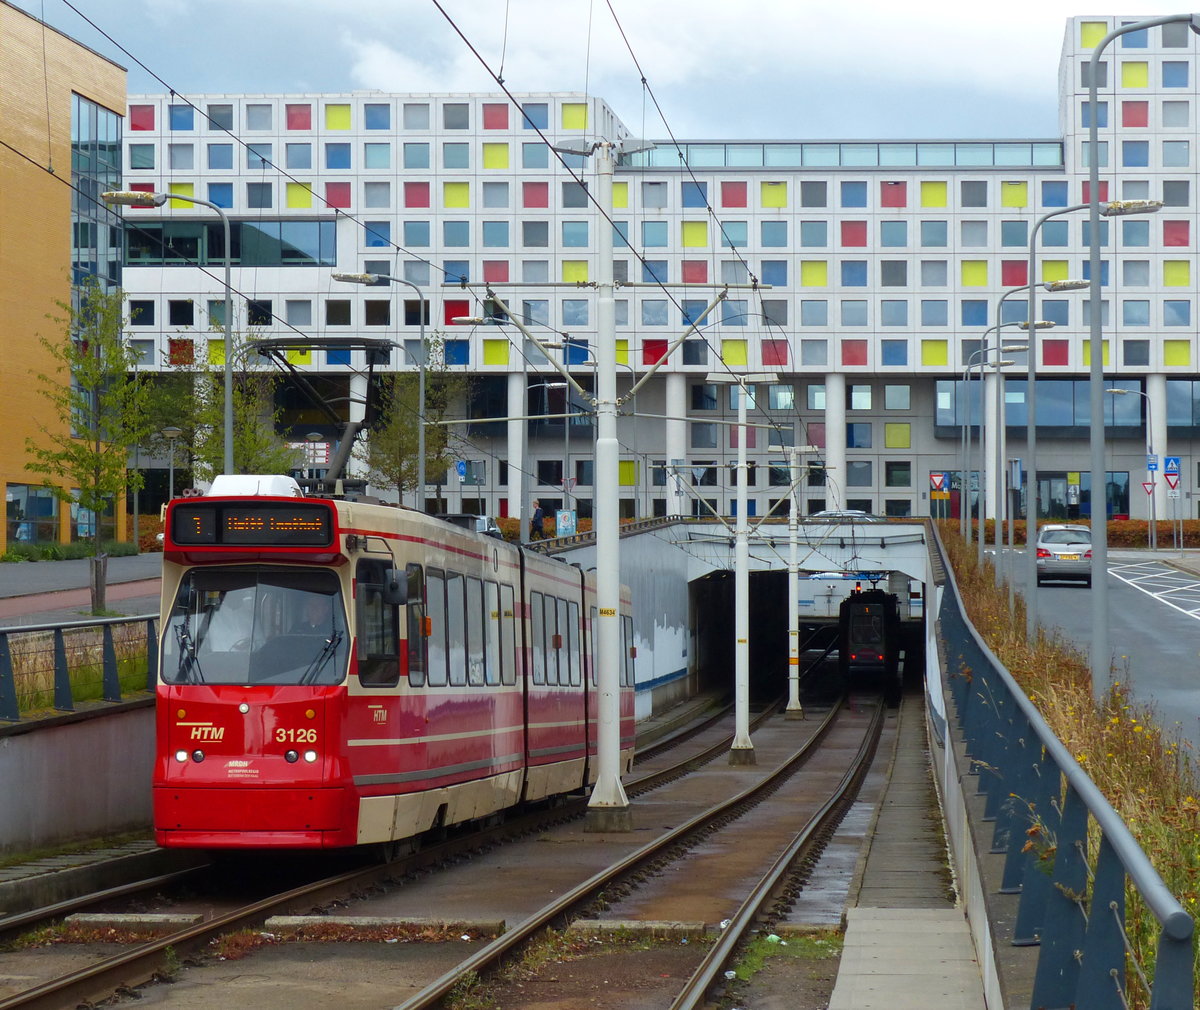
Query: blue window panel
{"type": "Point", "coordinates": [974, 312]}
{"type": "Point", "coordinates": [1135, 312]}
{"type": "Point", "coordinates": [934, 234]}
{"type": "Point", "coordinates": [654, 312]}
{"type": "Point", "coordinates": [456, 155]}
{"type": "Point", "coordinates": [775, 272]}
{"type": "Point", "coordinates": [337, 357]}
{"type": "Point", "coordinates": [692, 310]}
{"type": "Point", "coordinates": [774, 234]}
{"type": "Point", "coordinates": [1135, 153]}
{"type": "Point", "coordinates": [495, 234]}
{"type": "Point", "coordinates": [416, 155]}
{"type": "Point", "coordinates": [1087, 272]}
{"type": "Point", "coordinates": [814, 312]}
{"type": "Point", "coordinates": [733, 312]}
{"type": "Point", "coordinates": [535, 156]}
{"type": "Point", "coordinates": [695, 194]}
{"type": "Point", "coordinates": [182, 117]}
{"type": "Point", "coordinates": [1135, 233]}
{"type": "Point", "coordinates": [1177, 312]}
{"type": "Point", "coordinates": [257, 155]}
{"type": "Point", "coordinates": [337, 155]}
{"type": "Point", "coordinates": [1174, 75]}
{"type": "Point", "coordinates": [221, 193]}
{"type": "Point", "coordinates": [935, 312]}
{"type": "Point", "coordinates": [1087, 233]}
{"type": "Point", "coordinates": [893, 233]}
{"type": "Point", "coordinates": [379, 233]}
{"type": "Point", "coordinates": [576, 352]}
{"type": "Point", "coordinates": [456, 271]}
{"type": "Point", "coordinates": [893, 312]}
{"type": "Point", "coordinates": [894, 352]}
{"type": "Point", "coordinates": [416, 233]}
{"type": "Point", "coordinates": [575, 234]}
{"type": "Point", "coordinates": [655, 271]}
{"type": "Point", "coordinates": [734, 234]}
{"type": "Point", "coordinates": [654, 234]}
{"type": "Point", "coordinates": [1057, 233]}
{"type": "Point", "coordinates": [1015, 310]}
{"type": "Point", "coordinates": [854, 194]}
{"type": "Point", "coordinates": [456, 234]}
{"type": "Point", "coordinates": [298, 155]}
{"type": "Point", "coordinates": [854, 313]}
{"type": "Point", "coordinates": [1135, 40]}
{"type": "Point", "coordinates": [457, 352]}
{"type": "Point", "coordinates": [220, 156]}
{"type": "Point", "coordinates": [620, 235]}
{"type": "Point", "coordinates": [1054, 193]}
{"type": "Point", "coordinates": [1085, 113]}
{"type": "Point", "coordinates": [1055, 310]}
{"type": "Point", "coordinates": [377, 117]}
{"type": "Point", "coordinates": [814, 234]}
{"type": "Point", "coordinates": [535, 116]}
{"type": "Point", "coordinates": [1015, 233]}
{"type": "Point", "coordinates": [854, 273]}
{"type": "Point", "coordinates": [575, 312]}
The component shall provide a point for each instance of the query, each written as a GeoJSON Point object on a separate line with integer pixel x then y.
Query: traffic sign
{"type": "Point", "coordinates": [1149, 486]}
{"type": "Point", "coordinates": [1172, 480]}
{"type": "Point", "coordinates": [937, 480]}
{"type": "Point", "coordinates": [1170, 464]}
{"type": "Point", "coordinates": [1173, 494]}
{"type": "Point", "coordinates": [1151, 462]}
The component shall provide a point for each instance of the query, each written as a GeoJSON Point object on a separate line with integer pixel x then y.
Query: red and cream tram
{"type": "Point", "coordinates": [336, 673]}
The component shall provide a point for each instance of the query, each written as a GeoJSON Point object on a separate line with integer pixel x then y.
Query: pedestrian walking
{"type": "Point", "coordinates": [536, 522]}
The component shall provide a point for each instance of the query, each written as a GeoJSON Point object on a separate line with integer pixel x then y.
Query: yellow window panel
{"type": "Point", "coordinates": [627, 473]}
{"type": "Point", "coordinates": [733, 352]}
{"type": "Point", "coordinates": [1014, 194]}
{"type": "Point", "coordinates": [295, 356]}
{"type": "Point", "coordinates": [495, 352]}
{"type": "Point", "coordinates": [814, 273]}
{"type": "Point", "coordinates": [622, 352]}
{"type": "Point", "coordinates": [1054, 270]}
{"type": "Point", "coordinates": [773, 194]}
{"type": "Point", "coordinates": [574, 270]}
{"type": "Point", "coordinates": [694, 235]}
{"type": "Point", "coordinates": [974, 273]}
{"type": "Point", "coordinates": [216, 352]}
{"type": "Point", "coordinates": [1135, 74]}
{"type": "Point", "coordinates": [183, 189]}
{"type": "Point", "coordinates": [620, 195]}
{"type": "Point", "coordinates": [1177, 352]}
{"type": "Point", "coordinates": [574, 116]}
{"type": "Point", "coordinates": [495, 156]}
{"type": "Point", "coordinates": [1091, 33]}
{"type": "Point", "coordinates": [337, 117]}
{"type": "Point", "coordinates": [299, 194]}
{"type": "Point", "coordinates": [1087, 352]}
{"type": "Point", "coordinates": [897, 435]}
{"type": "Point", "coordinates": [1176, 273]}
{"type": "Point", "coordinates": [935, 352]}
{"type": "Point", "coordinates": [456, 194]}
{"type": "Point", "coordinates": [933, 194]}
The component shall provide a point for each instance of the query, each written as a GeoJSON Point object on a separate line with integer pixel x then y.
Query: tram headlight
{"type": "Point", "coordinates": [181, 756]}
{"type": "Point", "coordinates": [310, 756]}
{"type": "Point", "coordinates": [197, 756]}
{"type": "Point", "coordinates": [291, 757]}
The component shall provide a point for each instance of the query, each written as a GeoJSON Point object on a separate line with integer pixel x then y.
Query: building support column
{"type": "Point", "coordinates": [835, 441]}
{"type": "Point", "coordinates": [676, 444]}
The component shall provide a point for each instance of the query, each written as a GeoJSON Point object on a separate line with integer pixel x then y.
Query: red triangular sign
{"type": "Point", "coordinates": [1149, 486]}
{"type": "Point", "coordinates": [1172, 480]}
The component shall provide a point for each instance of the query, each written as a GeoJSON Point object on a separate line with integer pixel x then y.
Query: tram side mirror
{"type": "Point", "coordinates": [395, 589]}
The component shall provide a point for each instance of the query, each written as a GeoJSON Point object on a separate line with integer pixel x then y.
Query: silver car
{"type": "Point", "coordinates": [1064, 552]}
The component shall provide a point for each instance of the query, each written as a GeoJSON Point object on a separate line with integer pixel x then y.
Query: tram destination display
{"type": "Point", "coordinates": [300, 525]}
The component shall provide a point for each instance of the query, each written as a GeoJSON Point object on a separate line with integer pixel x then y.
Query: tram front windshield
{"type": "Point", "coordinates": [256, 626]}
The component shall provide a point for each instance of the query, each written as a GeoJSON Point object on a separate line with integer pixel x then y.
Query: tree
{"type": "Point", "coordinates": [98, 403]}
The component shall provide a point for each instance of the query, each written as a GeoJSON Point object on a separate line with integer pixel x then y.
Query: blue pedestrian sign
{"type": "Point", "coordinates": [460, 467]}
{"type": "Point", "coordinates": [1151, 462]}
{"type": "Point", "coordinates": [1170, 464]}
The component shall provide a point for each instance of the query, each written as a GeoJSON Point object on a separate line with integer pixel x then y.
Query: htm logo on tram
{"type": "Point", "coordinates": [209, 733]}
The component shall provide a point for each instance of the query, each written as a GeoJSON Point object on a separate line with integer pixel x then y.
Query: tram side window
{"type": "Point", "coordinates": [435, 600]}
{"type": "Point", "coordinates": [508, 639]}
{"type": "Point", "coordinates": [537, 630]}
{"type": "Point", "coordinates": [564, 644]}
{"type": "Point", "coordinates": [475, 631]}
{"type": "Point", "coordinates": [417, 659]}
{"type": "Point", "coordinates": [378, 645]}
{"type": "Point", "coordinates": [492, 633]}
{"type": "Point", "coordinates": [572, 638]}
{"type": "Point", "coordinates": [627, 652]}
{"type": "Point", "coordinates": [549, 636]}
{"type": "Point", "coordinates": [456, 628]}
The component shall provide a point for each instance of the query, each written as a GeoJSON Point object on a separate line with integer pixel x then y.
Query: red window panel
{"type": "Point", "coordinates": [535, 194]}
{"type": "Point", "coordinates": [495, 271]}
{"type": "Point", "coordinates": [1014, 273]}
{"type": "Point", "coordinates": [1176, 233]}
{"type": "Point", "coordinates": [854, 233]}
{"type": "Point", "coordinates": [751, 437]}
{"type": "Point", "coordinates": [893, 194]}
{"type": "Point", "coordinates": [1135, 113]}
{"type": "Point", "coordinates": [495, 116]}
{"type": "Point", "coordinates": [416, 194]}
{"type": "Point", "coordinates": [653, 351]}
{"type": "Point", "coordinates": [695, 271]}
{"type": "Point", "coordinates": [181, 351]}
{"type": "Point", "coordinates": [337, 194]}
{"type": "Point", "coordinates": [774, 352]}
{"type": "Point", "coordinates": [299, 117]}
{"type": "Point", "coordinates": [854, 352]}
{"type": "Point", "coordinates": [733, 194]}
{"type": "Point", "coordinates": [454, 307]}
{"type": "Point", "coordinates": [141, 117]}
{"type": "Point", "coordinates": [816, 433]}
{"type": "Point", "coordinates": [1056, 352]}
{"type": "Point", "coordinates": [1087, 192]}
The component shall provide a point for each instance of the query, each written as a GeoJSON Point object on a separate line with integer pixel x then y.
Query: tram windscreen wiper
{"type": "Point", "coordinates": [321, 658]}
{"type": "Point", "coordinates": [188, 660]}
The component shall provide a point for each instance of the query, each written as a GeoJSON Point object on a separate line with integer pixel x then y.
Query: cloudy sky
{"type": "Point", "coordinates": [761, 69]}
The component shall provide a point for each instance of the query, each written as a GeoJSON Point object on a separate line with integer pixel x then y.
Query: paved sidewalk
{"type": "Point", "coordinates": [52, 592]}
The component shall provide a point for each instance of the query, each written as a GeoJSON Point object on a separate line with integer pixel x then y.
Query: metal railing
{"type": "Point", "coordinates": [55, 665]}
{"type": "Point", "coordinates": [1073, 907]}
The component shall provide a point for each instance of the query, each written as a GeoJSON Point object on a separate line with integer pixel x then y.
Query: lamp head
{"type": "Point", "coordinates": [133, 198]}
{"type": "Point", "coordinates": [360, 278]}
{"type": "Point", "coordinates": [1074, 285]}
{"type": "Point", "coordinates": [1119, 208]}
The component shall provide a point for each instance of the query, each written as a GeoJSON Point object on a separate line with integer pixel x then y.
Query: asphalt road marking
{"type": "Point", "coordinates": [1168, 585]}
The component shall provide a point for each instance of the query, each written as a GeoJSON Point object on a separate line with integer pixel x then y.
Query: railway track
{"type": "Point", "coordinates": [134, 967]}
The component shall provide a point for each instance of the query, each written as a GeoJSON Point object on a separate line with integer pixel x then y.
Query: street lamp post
{"type": "Point", "coordinates": [170, 434]}
{"type": "Point", "coordinates": [369, 279]}
{"type": "Point", "coordinates": [128, 198]}
{"type": "Point", "coordinates": [1153, 540]}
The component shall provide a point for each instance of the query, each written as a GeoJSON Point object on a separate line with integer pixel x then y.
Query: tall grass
{"type": "Point", "coordinates": [1148, 774]}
